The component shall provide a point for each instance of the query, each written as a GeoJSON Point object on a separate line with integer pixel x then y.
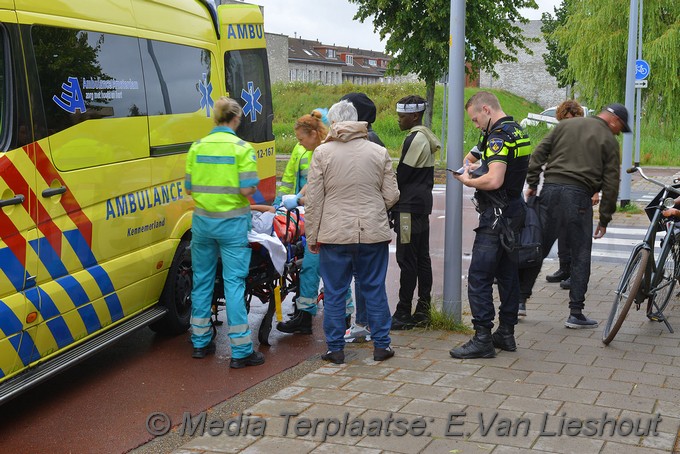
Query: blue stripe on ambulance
{"type": "Point", "coordinates": [56, 268]}
{"type": "Point", "coordinates": [106, 286]}
{"type": "Point", "coordinates": [80, 299]}
{"type": "Point", "coordinates": [49, 257]}
{"type": "Point", "coordinates": [49, 311]}
{"type": "Point", "coordinates": [81, 248]}
{"type": "Point", "coordinates": [25, 347]}
{"type": "Point", "coordinates": [9, 322]}
{"type": "Point", "coordinates": [60, 332]}
{"type": "Point", "coordinates": [13, 269]}
{"type": "Point", "coordinates": [86, 257]}
{"type": "Point", "coordinates": [22, 343]}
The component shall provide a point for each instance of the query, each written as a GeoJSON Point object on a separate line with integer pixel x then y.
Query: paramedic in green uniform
{"type": "Point", "coordinates": [221, 172]}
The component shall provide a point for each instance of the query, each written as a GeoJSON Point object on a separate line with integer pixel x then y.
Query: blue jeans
{"type": "Point", "coordinates": [361, 317]}
{"type": "Point", "coordinates": [229, 239]}
{"type": "Point", "coordinates": [568, 209]}
{"type": "Point", "coordinates": [337, 264]}
{"type": "Point", "coordinates": [309, 285]}
{"type": "Point", "coordinates": [490, 260]}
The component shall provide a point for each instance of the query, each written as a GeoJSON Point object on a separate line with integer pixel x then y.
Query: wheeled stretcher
{"type": "Point", "coordinates": [269, 283]}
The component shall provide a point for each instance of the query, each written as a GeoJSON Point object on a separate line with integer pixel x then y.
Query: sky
{"type": "Point", "coordinates": [331, 21]}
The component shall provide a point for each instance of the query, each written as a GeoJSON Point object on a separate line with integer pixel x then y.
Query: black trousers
{"type": "Point", "coordinates": [565, 208]}
{"type": "Point", "coordinates": [413, 257]}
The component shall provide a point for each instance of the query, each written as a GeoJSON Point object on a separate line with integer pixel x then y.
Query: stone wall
{"type": "Point", "coordinates": [528, 76]}
{"type": "Point", "coordinates": [277, 55]}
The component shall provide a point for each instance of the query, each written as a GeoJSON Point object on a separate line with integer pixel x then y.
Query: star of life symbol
{"type": "Point", "coordinates": [205, 88]}
{"type": "Point", "coordinates": [71, 98]}
{"type": "Point", "coordinates": [252, 100]}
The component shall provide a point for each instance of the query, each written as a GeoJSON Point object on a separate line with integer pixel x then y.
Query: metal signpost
{"type": "Point", "coordinates": [641, 73]}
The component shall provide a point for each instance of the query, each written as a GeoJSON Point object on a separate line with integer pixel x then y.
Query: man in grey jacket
{"type": "Point", "coordinates": [351, 186]}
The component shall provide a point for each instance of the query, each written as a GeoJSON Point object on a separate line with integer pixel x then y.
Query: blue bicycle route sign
{"type": "Point", "coordinates": [641, 69]}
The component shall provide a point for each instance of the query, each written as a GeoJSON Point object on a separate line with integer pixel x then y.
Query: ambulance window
{"type": "Point", "coordinates": [248, 83]}
{"type": "Point", "coordinates": [177, 78]}
{"type": "Point", "coordinates": [87, 75]}
{"type": "Point", "coordinates": [3, 86]}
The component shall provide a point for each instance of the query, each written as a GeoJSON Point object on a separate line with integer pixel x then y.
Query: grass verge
{"type": "Point", "coordinates": [441, 321]}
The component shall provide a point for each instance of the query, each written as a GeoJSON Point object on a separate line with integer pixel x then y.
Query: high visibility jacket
{"type": "Point", "coordinates": [295, 176]}
{"type": "Point", "coordinates": [217, 167]}
{"type": "Point", "coordinates": [507, 142]}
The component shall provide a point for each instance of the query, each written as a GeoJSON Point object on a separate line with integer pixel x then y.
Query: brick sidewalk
{"type": "Point", "coordinates": [557, 375]}
{"type": "Point", "coordinates": [514, 403]}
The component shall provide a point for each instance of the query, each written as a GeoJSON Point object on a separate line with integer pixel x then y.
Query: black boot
{"type": "Point", "coordinates": [559, 275]}
{"type": "Point", "coordinates": [402, 322]}
{"type": "Point", "coordinates": [301, 323]}
{"type": "Point", "coordinates": [504, 338]}
{"type": "Point", "coordinates": [421, 317]}
{"type": "Point", "coordinates": [480, 346]}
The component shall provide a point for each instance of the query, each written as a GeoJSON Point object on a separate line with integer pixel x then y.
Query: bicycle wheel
{"type": "Point", "coordinates": [626, 292]}
{"type": "Point", "coordinates": [668, 269]}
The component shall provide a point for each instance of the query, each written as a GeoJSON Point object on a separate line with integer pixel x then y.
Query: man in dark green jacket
{"type": "Point", "coordinates": [581, 157]}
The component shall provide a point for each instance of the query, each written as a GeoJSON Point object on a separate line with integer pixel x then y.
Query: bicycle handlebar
{"type": "Point", "coordinates": [652, 180]}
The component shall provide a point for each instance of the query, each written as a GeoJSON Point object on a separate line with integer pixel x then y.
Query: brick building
{"type": "Point", "coordinates": [302, 60]}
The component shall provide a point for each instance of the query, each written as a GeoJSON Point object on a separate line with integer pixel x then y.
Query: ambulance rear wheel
{"type": "Point", "coordinates": [176, 296]}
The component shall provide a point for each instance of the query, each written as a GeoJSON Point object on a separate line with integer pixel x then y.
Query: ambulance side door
{"type": "Point", "coordinates": [18, 265]}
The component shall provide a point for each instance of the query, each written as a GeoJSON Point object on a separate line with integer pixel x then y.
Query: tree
{"type": "Point", "coordinates": [556, 58]}
{"type": "Point", "coordinates": [419, 36]}
{"type": "Point", "coordinates": [595, 39]}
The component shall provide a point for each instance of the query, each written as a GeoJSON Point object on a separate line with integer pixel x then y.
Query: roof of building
{"type": "Point", "coordinates": [364, 62]}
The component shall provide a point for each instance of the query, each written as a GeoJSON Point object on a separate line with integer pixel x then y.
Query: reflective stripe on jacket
{"type": "Point", "coordinates": [217, 167]}
{"type": "Point", "coordinates": [295, 175]}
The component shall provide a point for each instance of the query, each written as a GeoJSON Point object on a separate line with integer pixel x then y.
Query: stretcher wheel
{"type": "Point", "coordinates": [265, 328]}
{"type": "Point", "coordinates": [266, 325]}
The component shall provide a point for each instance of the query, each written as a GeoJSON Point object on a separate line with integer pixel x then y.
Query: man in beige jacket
{"type": "Point", "coordinates": [351, 185]}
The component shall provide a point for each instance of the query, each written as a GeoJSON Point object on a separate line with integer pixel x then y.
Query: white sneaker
{"type": "Point", "coordinates": [357, 333]}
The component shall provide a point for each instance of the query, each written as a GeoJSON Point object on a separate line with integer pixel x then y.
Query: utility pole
{"type": "Point", "coordinates": [627, 159]}
{"type": "Point", "coordinates": [453, 226]}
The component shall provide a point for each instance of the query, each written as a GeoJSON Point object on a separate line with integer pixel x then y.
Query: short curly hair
{"type": "Point", "coordinates": [569, 109]}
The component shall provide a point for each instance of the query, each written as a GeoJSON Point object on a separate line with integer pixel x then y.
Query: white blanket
{"type": "Point", "coordinates": [277, 251]}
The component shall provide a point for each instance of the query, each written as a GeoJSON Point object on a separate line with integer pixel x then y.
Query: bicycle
{"type": "Point", "coordinates": [644, 277]}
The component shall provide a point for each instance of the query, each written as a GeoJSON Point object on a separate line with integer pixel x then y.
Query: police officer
{"type": "Point", "coordinates": [221, 172]}
{"type": "Point", "coordinates": [504, 154]}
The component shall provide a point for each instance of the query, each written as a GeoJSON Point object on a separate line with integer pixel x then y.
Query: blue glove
{"type": "Point", "coordinates": [290, 202]}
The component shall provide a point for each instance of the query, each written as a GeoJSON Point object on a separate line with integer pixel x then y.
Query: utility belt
{"type": "Point", "coordinates": [498, 200]}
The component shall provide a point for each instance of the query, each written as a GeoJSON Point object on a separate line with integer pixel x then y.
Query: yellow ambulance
{"type": "Point", "coordinates": [99, 103]}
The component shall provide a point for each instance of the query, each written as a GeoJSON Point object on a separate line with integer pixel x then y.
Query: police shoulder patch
{"type": "Point", "coordinates": [496, 145]}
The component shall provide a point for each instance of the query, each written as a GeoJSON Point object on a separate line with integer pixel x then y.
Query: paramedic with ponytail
{"type": "Point", "coordinates": [310, 130]}
{"type": "Point", "coordinates": [221, 172]}
{"type": "Point", "coordinates": [307, 128]}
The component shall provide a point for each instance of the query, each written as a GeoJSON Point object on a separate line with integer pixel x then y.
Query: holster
{"type": "Point", "coordinates": [497, 199]}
